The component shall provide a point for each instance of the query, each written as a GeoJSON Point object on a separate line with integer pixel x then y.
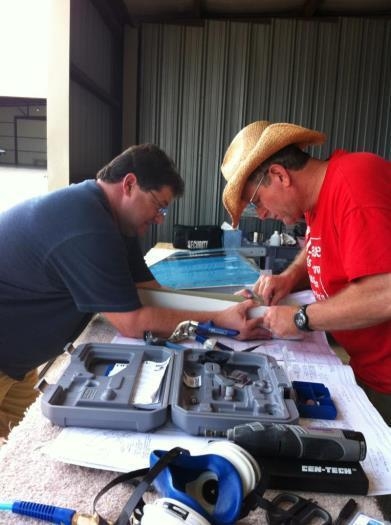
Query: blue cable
{"type": "Point", "coordinates": [58, 515]}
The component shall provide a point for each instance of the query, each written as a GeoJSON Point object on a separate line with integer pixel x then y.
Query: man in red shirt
{"type": "Point", "coordinates": [346, 202]}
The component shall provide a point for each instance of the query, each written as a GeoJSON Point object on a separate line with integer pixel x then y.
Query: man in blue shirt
{"type": "Point", "coordinates": [75, 252]}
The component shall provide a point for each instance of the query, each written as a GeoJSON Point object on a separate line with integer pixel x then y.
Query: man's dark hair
{"type": "Point", "coordinates": [291, 157]}
{"type": "Point", "coordinates": [152, 167]}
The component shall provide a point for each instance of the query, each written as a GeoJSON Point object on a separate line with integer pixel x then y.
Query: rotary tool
{"type": "Point", "coordinates": [295, 441]}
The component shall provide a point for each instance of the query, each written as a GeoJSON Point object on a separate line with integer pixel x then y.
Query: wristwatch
{"type": "Point", "coordinates": [301, 319]}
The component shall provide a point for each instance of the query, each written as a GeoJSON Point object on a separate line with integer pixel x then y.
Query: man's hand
{"type": "Point", "coordinates": [279, 320]}
{"type": "Point", "coordinates": [237, 317]}
{"type": "Point", "coordinates": [273, 288]}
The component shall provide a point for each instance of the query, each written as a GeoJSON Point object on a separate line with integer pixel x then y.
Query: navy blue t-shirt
{"type": "Point", "coordinates": [63, 258]}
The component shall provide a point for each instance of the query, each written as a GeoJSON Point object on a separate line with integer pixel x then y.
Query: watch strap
{"type": "Point", "coordinates": [302, 312]}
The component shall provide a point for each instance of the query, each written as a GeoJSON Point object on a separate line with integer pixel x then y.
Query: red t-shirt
{"type": "Point", "coordinates": [348, 237]}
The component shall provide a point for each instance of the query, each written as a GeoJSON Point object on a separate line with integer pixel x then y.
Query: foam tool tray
{"type": "Point", "coordinates": [140, 388]}
{"type": "Point", "coordinates": [314, 401]}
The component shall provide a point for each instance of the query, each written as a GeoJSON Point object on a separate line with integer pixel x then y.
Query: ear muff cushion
{"type": "Point", "coordinates": [184, 469]}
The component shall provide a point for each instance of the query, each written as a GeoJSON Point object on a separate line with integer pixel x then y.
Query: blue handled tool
{"type": "Point", "coordinates": [210, 328]}
{"type": "Point", "coordinates": [189, 329]}
{"type": "Point", "coordinates": [59, 515]}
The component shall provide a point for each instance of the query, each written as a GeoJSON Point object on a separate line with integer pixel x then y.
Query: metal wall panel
{"type": "Point", "coordinates": [90, 133]}
{"type": "Point", "coordinates": [200, 85]}
{"type": "Point", "coordinates": [95, 89]}
{"type": "Point", "coordinates": [91, 44]}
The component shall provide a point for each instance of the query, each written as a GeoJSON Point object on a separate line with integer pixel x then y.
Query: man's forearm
{"type": "Point", "coordinates": [160, 321]}
{"type": "Point", "coordinates": [163, 321]}
{"type": "Point", "coordinates": [366, 302]}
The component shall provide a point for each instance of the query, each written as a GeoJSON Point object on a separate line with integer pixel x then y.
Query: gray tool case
{"type": "Point", "coordinates": [201, 392]}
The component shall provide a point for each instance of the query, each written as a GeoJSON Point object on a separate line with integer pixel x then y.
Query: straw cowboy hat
{"type": "Point", "coordinates": [253, 145]}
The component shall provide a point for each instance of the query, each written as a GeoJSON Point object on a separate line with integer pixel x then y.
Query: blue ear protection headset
{"type": "Point", "coordinates": [214, 484]}
{"type": "Point", "coordinates": [215, 488]}
{"type": "Point", "coordinates": [209, 484]}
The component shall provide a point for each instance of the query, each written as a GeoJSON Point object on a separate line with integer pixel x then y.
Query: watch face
{"type": "Point", "coordinates": [300, 319]}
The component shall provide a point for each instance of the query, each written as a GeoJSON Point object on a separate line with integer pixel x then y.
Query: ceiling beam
{"type": "Point", "coordinates": [310, 8]}
{"type": "Point", "coordinates": [196, 13]}
{"type": "Point", "coordinates": [78, 76]}
{"type": "Point", "coordinates": [114, 14]}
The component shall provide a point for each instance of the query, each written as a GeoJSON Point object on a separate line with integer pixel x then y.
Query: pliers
{"type": "Point", "coordinates": [210, 329]}
{"type": "Point", "coordinates": [188, 329]}
{"type": "Point", "coordinates": [150, 339]}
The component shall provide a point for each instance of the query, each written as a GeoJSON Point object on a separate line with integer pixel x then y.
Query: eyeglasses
{"type": "Point", "coordinates": [161, 210]}
{"type": "Point", "coordinates": [250, 202]}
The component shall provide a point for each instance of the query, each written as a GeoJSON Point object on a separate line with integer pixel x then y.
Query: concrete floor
{"type": "Point", "coordinates": [18, 184]}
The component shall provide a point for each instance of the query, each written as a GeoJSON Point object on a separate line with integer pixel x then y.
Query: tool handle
{"type": "Point", "coordinates": [210, 328]}
{"type": "Point", "coordinates": [274, 439]}
{"type": "Point", "coordinates": [50, 513]}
